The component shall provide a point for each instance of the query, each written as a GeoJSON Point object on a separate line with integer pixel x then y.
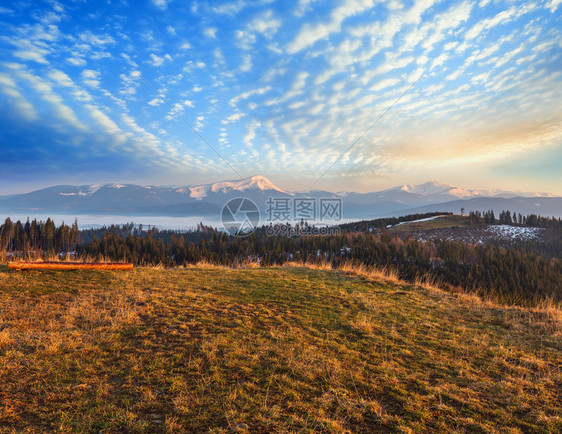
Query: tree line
{"type": "Point", "coordinates": [38, 236]}
{"type": "Point", "coordinates": [524, 273]}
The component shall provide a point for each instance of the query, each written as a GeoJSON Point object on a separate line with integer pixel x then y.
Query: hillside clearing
{"type": "Point", "coordinates": [436, 222]}
{"type": "Point", "coordinates": [276, 349]}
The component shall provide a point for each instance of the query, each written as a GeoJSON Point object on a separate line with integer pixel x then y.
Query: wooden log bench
{"type": "Point", "coordinates": [69, 266]}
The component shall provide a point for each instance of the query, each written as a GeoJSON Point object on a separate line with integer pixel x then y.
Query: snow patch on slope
{"type": "Point", "coordinates": [93, 188]}
{"type": "Point", "coordinates": [514, 232]}
{"type": "Point", "coordinates": [198, 192]}
{"type": "Point", "coordinates": [80, 193]}
{"type": "Point", "coordinates": [432, 188]}
{"type": "Point", "coordinates": [422, 220]}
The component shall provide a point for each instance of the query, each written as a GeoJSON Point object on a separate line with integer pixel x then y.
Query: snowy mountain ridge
{"type": "Point", "coordinates": [208, 199]}
{"type": "Point", "coordinates": [256, 182]}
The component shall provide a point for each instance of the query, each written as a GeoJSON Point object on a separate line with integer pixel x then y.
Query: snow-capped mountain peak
{"type": "Point", "coordinates": [256, 182]}
{"type": "Point", "coordinates": [425, 189]}
{"type": "Point", "coordinates": [435, 187]}
{"type": "Point", "coordinates": [431, 187]}
{"type": "Point", "coordinates": [407, 188]}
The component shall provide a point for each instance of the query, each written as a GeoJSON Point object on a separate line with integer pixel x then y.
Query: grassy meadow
{"type": "Point", "coordinates": [289, 349]}
{"type": "Point", "coordinates": [444, 222]}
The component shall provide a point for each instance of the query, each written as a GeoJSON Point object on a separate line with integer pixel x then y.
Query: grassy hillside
{"type": "Point", "coordinates": [280, 349]}
{"type": "Point", "coordinates": [445, 222]}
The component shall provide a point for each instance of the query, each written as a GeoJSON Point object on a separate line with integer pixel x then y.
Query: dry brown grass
{"type": "Point", "coordinates": [547, 313]}
{"type": "Point", "coordinates": [40, 256]}
{"type": "Point", "coordinates": [385, 274]}
{"type": "Point", "coordinates": [206, 265]}
{"type": "Point", "coordinates": [288, 349]}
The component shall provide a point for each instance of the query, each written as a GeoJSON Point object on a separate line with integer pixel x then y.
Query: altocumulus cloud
{"type": "Point", "coordinates": [280, 88]}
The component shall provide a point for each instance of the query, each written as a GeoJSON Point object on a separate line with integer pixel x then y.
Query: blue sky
{"type": "Point", "coordinates": [281, 89]}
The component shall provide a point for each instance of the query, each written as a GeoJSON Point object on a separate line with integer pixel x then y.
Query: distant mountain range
{"type": "Point", "coordinates": [208, 199]}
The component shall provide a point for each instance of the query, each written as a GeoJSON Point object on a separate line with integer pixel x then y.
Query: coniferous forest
{"type": "Point", "coordinates": [520, 272]}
